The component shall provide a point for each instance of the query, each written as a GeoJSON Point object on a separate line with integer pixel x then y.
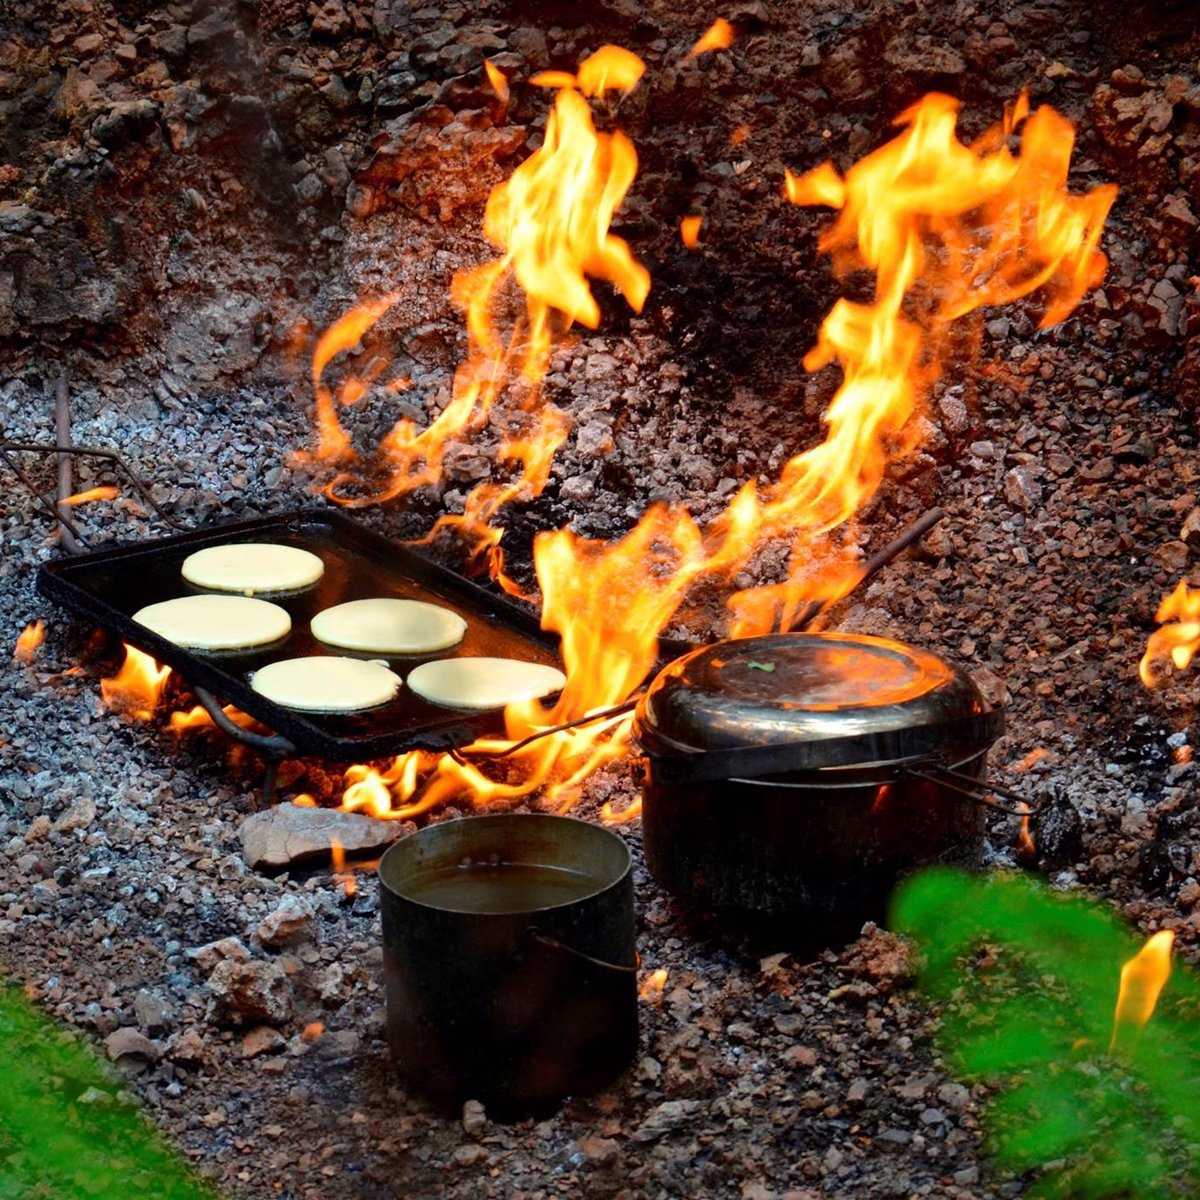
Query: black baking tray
{"type": "Point", "coordinates": [108, 586]}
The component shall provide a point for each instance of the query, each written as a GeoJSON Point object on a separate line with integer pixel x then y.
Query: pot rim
{"type": "Point", "coordinates": [614, 878]}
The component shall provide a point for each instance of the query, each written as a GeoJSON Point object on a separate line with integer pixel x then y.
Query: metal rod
{"type": "Point", "coordinates": [62, 436]}
{"type": "Point", "coordinates": [615, 711]}
{"type": "Point", "coordinates": [270, 744]}
{"type": "Point", "coordinates": [49, 505]}
{"type": "Point", "coordinates": [270, 775]}
{"type": "Point", "coordinates": [914, 532]}
{"type": "Point", "coordinates": [978, 794]}
{"type": "Point", "coordinates": [1006, 793]}
{"type": "Point", "coordinates": [94, 452]}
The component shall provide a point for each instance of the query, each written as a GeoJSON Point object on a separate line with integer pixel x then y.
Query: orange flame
{"type": "Point", "coordinates": [197, 717]}
{"type": "Point", "coordinates": [718, 36]}
{"type": "Point", "coordinates": [945, 227]}
{"type": "Point", "coordinates": [610, 67]}
{"type": "Point", "coordinates": [87, 497]}
{"type": "Point", "coordinates": [136, 688]}
{"type": "Point", "coordinates": [1025, 842]}
{"type": "Point", "coordinates": [497, 79]}
{"type": "Point", "coordinates": [29, 642]}
{"type": "Point", "coordinates": [1178, 642]}
{"type": "Point", "coordinates": [689, 231]}
{"type": "Point", "coordinates": [551, 221]}
{"type": "Point", "coordinates": [1143, 978]}
{"type": "Point", "coordinates": [337, 857]}
{"type": "Point", "coordinates": [653, 985]}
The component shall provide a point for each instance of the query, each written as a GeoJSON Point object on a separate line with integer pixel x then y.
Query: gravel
{"type": "Point", "coordinates": [185, 188]}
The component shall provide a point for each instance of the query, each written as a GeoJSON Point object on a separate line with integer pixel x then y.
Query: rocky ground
{"type": "Point", "coordinates": [186, 191]}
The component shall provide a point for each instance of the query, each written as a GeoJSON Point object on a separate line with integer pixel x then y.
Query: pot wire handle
{"type": "Point", "coordinates": [973, 789]}
{"type": "Point", "coordinates": [549, 942]}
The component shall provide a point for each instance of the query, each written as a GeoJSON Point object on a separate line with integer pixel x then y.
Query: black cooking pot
{"type": "Point", "coordinates": [796, 777]}
{"type": "Point", "coordinates": [509, 957]}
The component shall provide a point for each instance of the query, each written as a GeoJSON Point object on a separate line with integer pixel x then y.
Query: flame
{"type": "Point", "coordinates": [1143, 978]}
{"type": "Point", "coordinates": [653, 985]}
{"type": "Point", "coordinates": [1026, 846]}
{"type": "Point", "coordinates": [92, 494]}
{"type": "Point", "coordinates": [29, 642]}
{"type": "Point", "coordinates": [136, 688]}
{"type": "Point", "coordinates": [1180, 641]}
{"type": "Point", "coordinates": [945, 227]}
{"type": "Point", "coordinates": [551, 222]}
{"type": "Point", "coordinates": [337, 857]}
{"type": "Point", "coordinates": [497, 79]}
{"type": "Point", "coordinates": [718, 36]}
{"type": "Point", "coordinates": [197, 717]}
{"type": "Point", "coordinates": [311, 1032]}
{"type": "Point", "coordinates": [689, 231]}
{"type": "Point", "coordinates": [610, 67]}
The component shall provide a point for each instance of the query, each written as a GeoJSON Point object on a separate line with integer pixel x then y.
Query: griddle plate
{"type": "Point", "coordinates": [109, 586]}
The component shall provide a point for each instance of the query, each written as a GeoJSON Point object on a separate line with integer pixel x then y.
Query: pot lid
{"type": "Point", "coordinates": [803, 687]}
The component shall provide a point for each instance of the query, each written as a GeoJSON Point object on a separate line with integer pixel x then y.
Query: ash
{"type": "Point", "coordinates": [184, 184]}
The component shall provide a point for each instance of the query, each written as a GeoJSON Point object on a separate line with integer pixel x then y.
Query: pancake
{"type": "Point", "coordinates": [478, 683]}
{"type": "Point", "coordinates": [216, 622]}
{"type": "Point", "coordinates": [321, 683]}
{"type": "Point", "coordinates": [389, 626]}
{"type": "Point", "coordinates": [250, 567]}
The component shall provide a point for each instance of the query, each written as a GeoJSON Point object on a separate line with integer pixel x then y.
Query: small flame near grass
{"type": "Point", "coordinates": [1178, 641]}
{"type": "Point", "coordinates": [29, 642]}
{"type": "Point", "coordinates": [689, 231]}
{"type": "Point", "coordinates": [1143, 978]}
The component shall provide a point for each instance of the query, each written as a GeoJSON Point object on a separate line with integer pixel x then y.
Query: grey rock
{"type": "Point", "coordinates": [244, 993]}
{"type": "Point", "coordinates": [668, 1117]}
{"type": "Point", "coordinates": [474, 1118]}
{"type": "Point", "coordinates": [289, 924]}
{"type": "Point", "coordinates": [289, 833]}
{"type": "Point", "coordinates": [128, 1046]}
{"type": "Point", "coordinates": [153, 1013]}
{"type": "Point", "coordinates": [1022, 489]}
{"type": "Point", "coordinates": [208, 956]}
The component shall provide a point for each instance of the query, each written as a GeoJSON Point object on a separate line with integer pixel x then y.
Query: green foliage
{"type": "Point", "coordinates": [1029, 981]}
{"type": "Point", "coordinates": [65, 1131]}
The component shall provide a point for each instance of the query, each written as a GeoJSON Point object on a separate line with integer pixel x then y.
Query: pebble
{"type": "Point", "coordinates": [244, 992]}
{"type": "Point", "coordinates": [288, 924]}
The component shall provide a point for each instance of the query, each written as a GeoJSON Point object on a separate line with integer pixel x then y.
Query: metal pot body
{"type": "Point", "coordinates": [777, 776]}
{"type": "Point", "coordinates": [811, 850]}
{"type": "Point", "coordinates": [515, 1008]}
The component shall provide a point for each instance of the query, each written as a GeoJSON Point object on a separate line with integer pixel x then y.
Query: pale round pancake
{"type": "Point", "coordinates": [389, 626]}
{"type": "Point", "coordinates": [320, 683]}
{"type": "Point", "coordinates": [483, 682]}
{"type": "Point", "coordinates": [249, 567]}
{"type": "Point", "coordinates": [216, 622]}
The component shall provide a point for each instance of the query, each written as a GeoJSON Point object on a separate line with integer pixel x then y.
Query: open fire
{"type": "Point", "coordinates": [944, 226]}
